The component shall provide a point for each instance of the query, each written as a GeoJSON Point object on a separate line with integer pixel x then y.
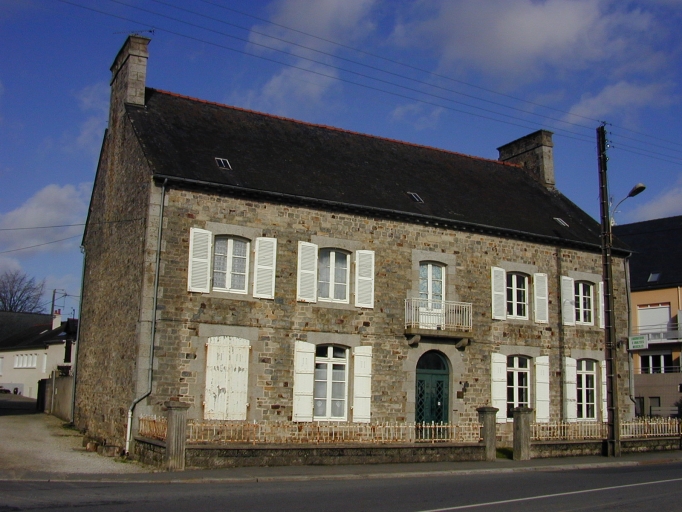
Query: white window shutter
{"type": "Point", "coordinates": [541, 298]}
{"type": "Point", "coordinates": [362, 384]}
{"type": "Point", "coordinates": [199, 268]}
{"type": "Point", "coordinates": [498, 385]}
{"type": "Point", "coordinates": [542, 389]}
{"type": "Point", "coordinates": [304, 381]}
{"type": "Point", "coordinates": [215, 392]}
{"type": "Point", "coordinates": [570, 389]}
{"type": "Point", "coordinates": [306, 289]}
{"type": "Point", "coordinates": [604, 402]}
{"type": "Point", "coordinates": [227, 378]}
{"type": "Point", "coordinates": [238, 379]}
{"type": "Point", "coordinates": [498, 284]}
{"type": "Point", "coordinates": [364, 279]}
{"type": "Point", "coordinates": [567, 301]}
{"type": "Point", "coordinates": [264, 269]}
{"type": "Point", "coordinates": [601, 312]}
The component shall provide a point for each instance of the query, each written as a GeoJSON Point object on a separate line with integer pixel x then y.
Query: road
{"type": "Point", "coordinates": [640, 488]}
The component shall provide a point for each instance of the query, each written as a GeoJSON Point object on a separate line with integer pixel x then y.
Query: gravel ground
{"type": "Point", "coordinates": [41, 443]}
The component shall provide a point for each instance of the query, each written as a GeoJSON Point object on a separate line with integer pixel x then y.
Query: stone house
{"type": "Point", "coordinates": [292, 272]}
{"type": "Point", "coordinates": [656, 313]}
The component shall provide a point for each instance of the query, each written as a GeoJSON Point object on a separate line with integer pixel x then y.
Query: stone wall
{"type": "Point", "coordinates": [114, 244]}
{"type": "Point", "coordinates": [186, 319]}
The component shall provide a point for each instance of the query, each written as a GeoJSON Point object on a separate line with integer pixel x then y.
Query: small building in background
{"type": "Point", "coordinates": [655, 340]}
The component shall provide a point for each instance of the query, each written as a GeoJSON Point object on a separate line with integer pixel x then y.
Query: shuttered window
{"type": "Point", "coordinates": [570, 389]}
{"type": "Point", "coordinates": [362, 384]}
{"type": "Point", "coordinates": [264, 269]}
{"type": "Point", "coordinates": [541, 298]}
{"type": "Point", "coordinates": [227, 378]}
{"type": "Point", "coordinates": [304, 381]}
{"type": "Point", "coordinates": [498, 389]}
{"type": "Point", "coordinates": [364, 279]}
{"type": "Point", "coordinates": [542, 389]}
{"type": "Point", "coordinates": [499, 289]}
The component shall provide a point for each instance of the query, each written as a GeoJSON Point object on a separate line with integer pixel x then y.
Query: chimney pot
{"type": "Point", "coordinates": [535, 153]}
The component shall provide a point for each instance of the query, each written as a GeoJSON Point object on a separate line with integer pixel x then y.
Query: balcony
{"type": "Point", "coordinates": [663, 333]}
{"type": "Point", "coordinates": [442, 319]}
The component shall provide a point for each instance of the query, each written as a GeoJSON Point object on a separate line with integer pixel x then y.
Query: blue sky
{"type": "Point", "coordinates": [463, 75]}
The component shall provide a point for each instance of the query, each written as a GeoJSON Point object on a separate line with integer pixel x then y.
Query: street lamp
{"type": "Point", "coordinates": [636, 190]}
{"type": "Point", "coordinates": [610, 345]}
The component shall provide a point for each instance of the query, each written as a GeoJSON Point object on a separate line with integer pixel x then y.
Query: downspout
{"type": "Point", "coordinates": [131, 409]}
{"type": "Point", "coordinates": [74, 356]}
{"type": "Point", "coordinates": [629, 313]}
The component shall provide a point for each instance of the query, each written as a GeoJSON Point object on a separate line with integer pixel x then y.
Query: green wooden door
{"type": "Point", "coordinates": [432, 396]}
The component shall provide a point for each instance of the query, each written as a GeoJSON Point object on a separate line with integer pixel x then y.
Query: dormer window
{"type": "Point", "coordinates": [223, 163]}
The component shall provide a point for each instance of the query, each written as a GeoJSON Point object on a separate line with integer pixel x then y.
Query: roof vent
{"type": "Point", "coordinates": [223, 163]}
{"type": "Point", "coordinates": [654, 277]}
{"type": "Point", "coordinates": [561, 222]}
{"type": "Point", "coordinates": [415, 197]}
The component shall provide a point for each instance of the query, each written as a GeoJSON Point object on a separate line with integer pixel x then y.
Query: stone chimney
{"type": "Point", "coordinates": [56, 319]}
{"type": "Point", "coordinates": [128, 77]}
{"type": "Point", "coordinates": [534, 153]}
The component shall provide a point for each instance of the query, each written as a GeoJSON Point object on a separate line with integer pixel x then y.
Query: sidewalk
{"type": "Point", "coordinates": [37, 447]}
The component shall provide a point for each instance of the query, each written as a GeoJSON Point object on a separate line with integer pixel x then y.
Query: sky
{"type": "Point", "coordinates": [462, 75]}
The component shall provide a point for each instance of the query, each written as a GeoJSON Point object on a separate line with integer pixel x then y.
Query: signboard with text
{"type": "Point", "coordinates": [638, 342]}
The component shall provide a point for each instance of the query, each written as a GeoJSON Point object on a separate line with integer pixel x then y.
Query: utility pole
{"type": "Point", "coordinates": [610, 345]}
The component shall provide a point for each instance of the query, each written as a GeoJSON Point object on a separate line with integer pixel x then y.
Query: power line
{"type": "Point", "coordinates": [40, 245]}
{"type": "Point", "coordinates": [71, 225]}
{"type": "Point", "coordinates": [573, 135]}
{"type": "Point", "coordinates": [445, 77]}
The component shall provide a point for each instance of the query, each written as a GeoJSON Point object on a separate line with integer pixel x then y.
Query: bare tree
{"type": "Point", "coordinates": [20, 294]}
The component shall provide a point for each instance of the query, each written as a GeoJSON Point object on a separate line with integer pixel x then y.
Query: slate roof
{"type": "Point", "coordinates": [40, 336]}
{"type": "Point", "coordinates": [12, 322]}
{"type": "Point", "coordinates": [657, 248]}
{"type": "Point", "coordinates": [288, 160]}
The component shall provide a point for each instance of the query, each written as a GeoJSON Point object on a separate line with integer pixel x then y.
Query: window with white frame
{"type": "Point", "coordinates": [657, 362]}
{"type": "Point", "coordinates": [230, 264]}
{"type": "Point", "coordinates": [25, 360]}
{"type": "Point", "coordinates": [322, 379]}
{"type": "Point", "coordinates": [511, 295]}
{"type": "Point", "coordinates": [334, 271]}
{"type": "Point", "coordinates": [518, 383]}
{"type": "Point", "coordinates": [324, 275]}
{"type": "Point", "coordinates": [331, 383]}
{"type": "Point", "coordinates": [586, 387]}
{"type": "Point", "coordinates": [584, 301]}
{"type": "Point", "coordinates": [431, 284]}
{"type": "Point", "coordinates": [221, 263]}
{"type": "Point", "coordinates": [511, 378]}
{"type": "Point", "coordinates": [517, 295]}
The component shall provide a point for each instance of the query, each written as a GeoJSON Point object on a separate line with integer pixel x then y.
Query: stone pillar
{"type": "Point", "coordinates": [488, 417]}
{"type": "Point", "coordinates": [176, 435]}
{"type": "Point", "coordinates": [522, 416]}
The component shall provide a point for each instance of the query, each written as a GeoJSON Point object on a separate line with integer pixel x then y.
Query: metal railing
{"type": "Point", "coordinates": [222, 432]}
{"type": "Point", "coordinates": [569, 431]}
{"type": "Point", "coordinates": [642, 428]}
{"type": "Point", "coordinates": [661, 332]}
{"type": "Point", "coordinates": [438, 314]}
{"type": "Point", "coordinates": [649, 370]}
{"type": "Point", "coordinates": [153, 427]}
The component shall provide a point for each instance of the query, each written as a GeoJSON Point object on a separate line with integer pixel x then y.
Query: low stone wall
{"type": "Point", "coordinates": [653, 444]}
{"type": "Point", "coordinates": [153, 452]}
{"type": "Point", "coordinates": [547, 449]}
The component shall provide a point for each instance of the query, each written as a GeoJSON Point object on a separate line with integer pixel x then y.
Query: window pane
{"type": "Point", "coordinates": [523, 396]}
{"type": "Point", "coordinates": [338, 390]}
{"type": "Point", "coordinates": [320, 408]}
{"type": "Point", "coordinates": [238, 282]}
{"type": "Point", "coordinates": [320, 371]}
{"type": "Point", "coordinates": [320, 389]}
{"type": "Point", "coordinates": [339, 373]}
{"type": "Point", "coordinates": [523, 378]}
{"type": "Point", "coordinates": [338, 408]}
{"type": "Point", "coordinates": [321, 351]}
{"type": "Point", "coordinates": [340, 292]}
{"type": "Point", "coordinates": [323, 289]}
{"type": "Point", "coordinates": [239, 248]}
{"type": "Point", "coordinates": [523, 362]}
{"type": "Point", "coordinates": [339, 352]}
{"type": "Point", "coordinates": [220, 246]}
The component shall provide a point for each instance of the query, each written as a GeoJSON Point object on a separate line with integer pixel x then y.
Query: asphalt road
{"type": "Point", "coordinates": [639, 488]}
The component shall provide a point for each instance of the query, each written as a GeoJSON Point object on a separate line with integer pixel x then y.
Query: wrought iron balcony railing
{"type": "Point", "coordinates": [438, 315]}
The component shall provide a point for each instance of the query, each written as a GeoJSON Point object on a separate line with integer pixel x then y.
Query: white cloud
{"type": "Point", "coordinates": [417, 115]}
{"type": "Point", "coordinates": [8, 264]}
{"type": "Point", "coordinates": [291, 89]}
{"type": "Point", "coordinates": [50, 206]}
{"type": "Point", "coordinates": [524, 38]}
{"type": "Point", "coordinates": [666, 204]}
{"type": "Point", "coordinates": [623, 100]}
{"type": "Point", "coordinates": [94, 101]}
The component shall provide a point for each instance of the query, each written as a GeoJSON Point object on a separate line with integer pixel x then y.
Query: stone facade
{"type": "Point", "coordinates": [126, 304]}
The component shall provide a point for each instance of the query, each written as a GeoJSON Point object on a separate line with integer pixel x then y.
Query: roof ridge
{"type": "Point", "coordinates": [333, 128]}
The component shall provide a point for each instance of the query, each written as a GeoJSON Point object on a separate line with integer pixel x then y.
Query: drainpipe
{"type": "Point", "coordinates": [629, 313]}
{"type": "Point", "coordinates": [131, 409]}
{"type": "Point", "coordinates": [75, 346]}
